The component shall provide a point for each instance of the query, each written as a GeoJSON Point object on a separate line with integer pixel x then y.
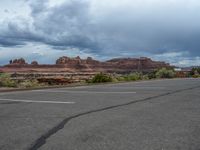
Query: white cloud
{"type": "Point", "coordinates": [182, 59]}
{"type": "Point", "coordinates": [40, 52]}
{"type": "Point", "coordinates": [53, 3]}
{"type": "Point", "coordinates": [189, 62]}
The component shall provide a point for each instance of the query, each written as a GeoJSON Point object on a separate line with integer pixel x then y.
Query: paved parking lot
{"type": "Point", "coordinates": [148, 115]}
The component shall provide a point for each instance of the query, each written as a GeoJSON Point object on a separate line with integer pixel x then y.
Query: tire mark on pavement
{"type": "Point", "coordinates": [42, 140]}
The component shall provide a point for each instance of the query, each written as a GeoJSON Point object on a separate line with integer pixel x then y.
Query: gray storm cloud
{"type": "Point", "coordinates": [110, 27]}
{"type": "Point", "coordinates": [67, 25]}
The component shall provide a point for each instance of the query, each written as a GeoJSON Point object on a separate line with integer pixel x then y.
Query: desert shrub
{"type": "Point", "coordinates": [145, 77]}
{"type": "Point", "coordinates": [133, 77]}
{"type": "Point", "coordinates": [195, 72]}
{"type": "Point", "coordinates": [101, 78]}
{"type": "Point", "coordinates": [198, 70]}
{"type": "Point", "coordinates": [29, 84]}
{"type": "Point", "coordinates": [6, 81]}
{"type": "Point", "coordinates": [152, 75]}
{"type": "Point", "coordinates": [196, 76]}
{"type": "Point", "coordinates": [120, 78]}
{"type": "Point", "coordinates": [54, 81]}
{"type": "Point", "coordinates": [165, 73]}
{"type": "Point", "coordinates": [115, 79]}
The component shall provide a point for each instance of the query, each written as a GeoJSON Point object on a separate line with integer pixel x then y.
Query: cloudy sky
{"type": "Point", "coordinates": [44, 30]}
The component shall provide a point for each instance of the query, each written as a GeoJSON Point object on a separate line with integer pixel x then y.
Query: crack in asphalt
{"type": "Point", "coordinates": [42, 140]}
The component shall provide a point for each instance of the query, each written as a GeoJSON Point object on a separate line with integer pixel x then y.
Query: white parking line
{"type": "Point", "coordinates": [32, 101]}
{"type": "Point", "coordinates": [95, 92]}
{"type": "Point", "coordinates": [16, 92]}
{"type": "Point", "coordinates": [139, 87]}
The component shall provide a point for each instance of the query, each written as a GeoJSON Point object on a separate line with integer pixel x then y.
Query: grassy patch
{"type": "Point", "coordinates": [6, 81]}
{"type": "Point", "coordinates": [29, 84]}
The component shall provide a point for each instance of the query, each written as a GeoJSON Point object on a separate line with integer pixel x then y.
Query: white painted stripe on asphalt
{"type": "Point", "coordinates": [135, 87]}
{"type": "Point", "coordinates": [32, 101]}
{"type": "Point", "coordinates": [95, 92]}
{"type": "Point", "coordinates": [16, 92]}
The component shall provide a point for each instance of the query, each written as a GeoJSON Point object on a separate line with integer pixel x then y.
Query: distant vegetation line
{"type": "Point", "coordinates": [162, 73]}
{"type": "Point", "coordinates": [7, 81]}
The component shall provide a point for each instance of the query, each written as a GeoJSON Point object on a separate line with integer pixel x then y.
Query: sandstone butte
{"type": "Point", "coordinates": [73, 65]}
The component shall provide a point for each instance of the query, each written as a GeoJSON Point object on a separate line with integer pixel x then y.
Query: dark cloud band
{"type": "Point", "coordinates": [144, 28]}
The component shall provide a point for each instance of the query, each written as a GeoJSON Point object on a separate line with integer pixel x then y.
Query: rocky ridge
{"type": "Point", "coordinates": [76, 64]}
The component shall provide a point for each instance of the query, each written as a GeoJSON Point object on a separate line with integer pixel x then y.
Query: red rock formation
{"type": "Point", "coordinates": [67, 60]}
{"type": "Point", "coordinates": [90, 60]}
{"type": "Point", "coordinates": [35, 63]}
{"type": "Point", "coordinates": [74, 61]}
{"type": "Point", "coordinates": [76, 64]}
{"type": "Point", "coordinates": [140, 64]}
{"type": "Point", "coordinates": [118, 64]}
{"type": "Point", "coordinates": [20, 61]}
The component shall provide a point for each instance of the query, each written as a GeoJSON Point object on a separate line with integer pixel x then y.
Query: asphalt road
{"type": "Point", "coordinates": [149, 115]}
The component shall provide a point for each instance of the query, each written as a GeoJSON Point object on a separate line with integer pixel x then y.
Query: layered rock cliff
{"type": "Point", "coordinates": [76, 64]}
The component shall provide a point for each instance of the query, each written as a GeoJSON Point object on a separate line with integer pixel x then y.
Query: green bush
{"type": "Point", "coordinates": [145, 77]}
{"type": "Point", "coordinates": [6, 81]}
{"type": "Point", "coordinates": [115, 79]}
{"type": "Point", "coordinates": [152, 75]}
{"type": "Point", "coordinates": [195, 72]}
{"type": "Point", "coordinates": [120, 78]}
{"type": "Point", "coordinates": [101, 78]}
{"type": "Point", "coordinates": [196, 76]}
{"type": "Point", "coordinates": [165, 73]}
{"type": "Point", "coordinates": [133, 77]}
